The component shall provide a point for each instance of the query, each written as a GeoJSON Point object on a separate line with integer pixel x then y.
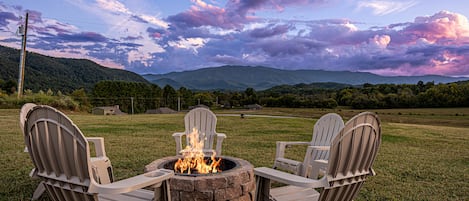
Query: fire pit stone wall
{"type": "Point", "coordinates": [237, 184]}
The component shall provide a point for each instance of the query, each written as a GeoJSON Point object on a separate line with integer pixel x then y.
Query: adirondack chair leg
{"type": "Point", "coordinates": [39, 191]}
{"type": "Point", "coordinates": [165, 188]}
{"type": "Point", "coordinates": [263, 189]}
{"type": "Point", "coordinates": [161, 192]}
{"type": "Point", "coordinates": [317, 167]}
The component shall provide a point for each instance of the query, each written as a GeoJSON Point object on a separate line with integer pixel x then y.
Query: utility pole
{"type": "Point", "coordinates": [179, 103]}
{"type": "Point", "coordinates": [23, 29]}
{"type": "Point", "coordinates": [132, 103]}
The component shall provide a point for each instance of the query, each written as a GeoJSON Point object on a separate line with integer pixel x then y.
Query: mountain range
{"type": "Point", "coordinates": [261, 78]}
{"type": "Point", "coordinates": [44, 72]}
{"type": "Point", "coordinates": [64, 74]}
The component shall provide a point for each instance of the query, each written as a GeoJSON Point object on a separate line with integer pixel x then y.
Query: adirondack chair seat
{"type": "Point", "coordinates": [299, 188]}
{"type": "Point", "coordinates": [324, 131]}
{"type": "Point", "coordinates": [205, 122]}
{"type": "Point", "coordinates": [61, 157]}
{"type": "Point", "coordinates": [352, 154]}
{"type": "Point", "coordinates": [139, 194]}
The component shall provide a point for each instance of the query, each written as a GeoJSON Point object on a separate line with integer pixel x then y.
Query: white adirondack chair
{"type": "Point", "coordinates": [352, 154]}
{"type": "Point", "coordinates": [324, 131]}
{"type": "Point", "coordinates": [61, 157]}
{"type": "Point", "coordinates": [102, 168]}
{"type": "Point", "coordinates": [205, 122]}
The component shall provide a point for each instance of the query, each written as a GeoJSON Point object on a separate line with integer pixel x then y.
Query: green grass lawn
{"type": "Point", "coordinates": [424, 153]}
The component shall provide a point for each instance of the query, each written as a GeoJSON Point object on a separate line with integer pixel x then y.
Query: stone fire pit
{"type": "Point", "coordinates": [237, 183]}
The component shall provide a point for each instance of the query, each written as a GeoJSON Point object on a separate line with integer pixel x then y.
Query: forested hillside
{"type": "Point", "coordinates": [58, 74]}
{"type": "Point", "coordinates": [260, 78]}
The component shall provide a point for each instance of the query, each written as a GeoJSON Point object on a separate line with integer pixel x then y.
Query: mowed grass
{"type": "Point", "coordinates": [424, 153]}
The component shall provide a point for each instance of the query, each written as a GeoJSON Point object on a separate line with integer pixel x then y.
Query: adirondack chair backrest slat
{"type": "Point", "coordinates": [59, 152]}
{"type": "Point", "coordinates": [205, 122]}
{"type": "Point", "coordinates": [352, 155]}
{"type": "Point", "coordinates": [324, 130]}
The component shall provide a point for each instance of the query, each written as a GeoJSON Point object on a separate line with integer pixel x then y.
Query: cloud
{"type": "Point", "coordinates": [246, 7]}
{"type": "Point", "coordinates": [203, 14]}
{"type": "Point", "coordinates": [283, 48]}
{"type": "Point", "coordinates": [188, 43]}
{"type": "Point", "coordinates": [5, 17]}
{"type": "Point", "coordinates": [82, 37]}
{"type": "Point", "coordinates": [235, 14]}
{"type": "Point", "coordinates": [270, 31]}
{"type": "Point", "coordinates": [54, 38]}
{"type": "Point", "coordinates": [208, 35]}
{"type": "Point", "coordinates": [118, 8]}
{"type": "Point", "coordinates": [113, 6]}
{"type": "Point", "coordinates": [386, 7]}
{"type": "Point", "coordinates": [440, 27]}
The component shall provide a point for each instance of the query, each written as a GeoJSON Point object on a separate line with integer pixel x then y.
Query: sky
{"type": "Point", "coordinates": [385, 37]}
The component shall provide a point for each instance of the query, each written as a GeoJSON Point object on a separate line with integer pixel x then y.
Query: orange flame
{"type": "Point", "coordinates": [194, 157]}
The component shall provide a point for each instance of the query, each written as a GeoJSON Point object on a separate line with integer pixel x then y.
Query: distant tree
{"type": "Point", "coordinates": [81, 97]}
{"type": "Point", "coordinates": [170, 97]}
{"type": "Point", "coordinates": [187, 97]}
{"type": "Point", "coordinates": [250, 97]}
{"type": "Point", "coordinates": [205, 98]}
{"type": "Point", "coordinates": [345, 96]}
{"type": "Point", "coordinates": [9, 86]}
{"type": "Point", "coordinates": [406, 98]}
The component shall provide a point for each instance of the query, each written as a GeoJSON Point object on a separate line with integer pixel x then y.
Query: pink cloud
{"type": "Point", "coordinates": [204, 15]}
{"type": "Point", "coordinates": [440, 27]}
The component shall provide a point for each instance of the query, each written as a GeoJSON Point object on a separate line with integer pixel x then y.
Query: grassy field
{"type": "Point", "coordinates": [424, 153]}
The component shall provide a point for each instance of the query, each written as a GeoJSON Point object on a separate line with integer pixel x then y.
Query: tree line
{"type": "Point", "coordinates": [139, 97]}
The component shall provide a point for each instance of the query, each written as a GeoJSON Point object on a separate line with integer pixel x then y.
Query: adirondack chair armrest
{"type": "Point", "coordinates": [98, 145]}
{"type": "Point", "coordinates": [282, 145]}
{"type": "Point", "coordinates": [220, 138]}
{"type": "Point", "coordinates": [179, 134]}
{"type": "Point", "coordinates": [221, 135]}
{"type": "Point", "coordinates": [289, 179]}
{"type": "Point", "coordinates": [178, 138]}
{"type": "Point", "coordinates": [132, 183]}
{"type": "Point", "coordinates": [319, 148]}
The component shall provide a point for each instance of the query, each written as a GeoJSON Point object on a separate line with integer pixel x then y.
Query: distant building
{"type": "Point", "coordinates": [107, 110]}
{"type": "Point", "coordinates": [253, 107]}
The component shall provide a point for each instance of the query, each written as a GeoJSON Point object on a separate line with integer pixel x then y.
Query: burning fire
{"type": "Point", "coordinates": [194, 158]}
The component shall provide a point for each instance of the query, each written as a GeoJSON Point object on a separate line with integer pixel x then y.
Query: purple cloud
{"type": "Point", "coordinates": [270, 31]}
{"type": "Point", "coordinates": [204, 15]}
{"type": "Point", "coordinates": [131, 38]}
{"type": "Point", "coordinates": [246, 7]}
{"type": "Point", "coordinates": [82, 37]}
{"type": "Point", "coordinates": [34, 16]}
{"type": "Point", "coordinates": [4, 17]}
{"type": "Point", "coordinates": [156, 33]}
{"type": "Point", "coordinates": [296, 46]}
{"type": "Point", "coordinates": [233, 16]}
